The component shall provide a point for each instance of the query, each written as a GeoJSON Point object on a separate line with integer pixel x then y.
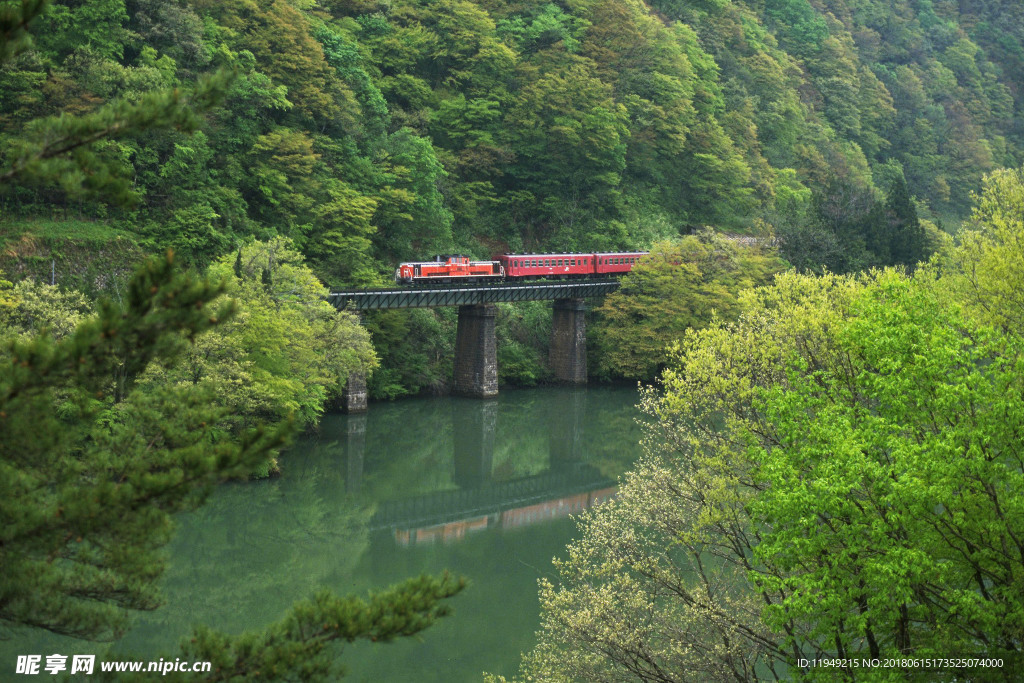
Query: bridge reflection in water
{"type": "Point", "coordinates": [482, 500]}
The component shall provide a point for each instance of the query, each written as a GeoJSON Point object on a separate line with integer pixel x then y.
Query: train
{"type": "Point", "coordinates": [460, 268]}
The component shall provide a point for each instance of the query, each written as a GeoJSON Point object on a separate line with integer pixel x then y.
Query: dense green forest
{"type": "Point", "coordinates": [831, 488]}
{"type": "Point", "coordinates": [278, 147]}
{"type": "Point", "coordinates": [370, 132]}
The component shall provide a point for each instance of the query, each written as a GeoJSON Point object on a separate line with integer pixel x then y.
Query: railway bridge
{"type": "Point", "coordinates": [476, 349]}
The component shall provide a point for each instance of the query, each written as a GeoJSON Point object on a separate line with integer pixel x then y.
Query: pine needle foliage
{"type": "Point", "coordinates": [91, 471]}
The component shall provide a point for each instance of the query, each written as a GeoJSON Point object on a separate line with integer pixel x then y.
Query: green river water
{"type": "Point", "coordinates": [485, 489]}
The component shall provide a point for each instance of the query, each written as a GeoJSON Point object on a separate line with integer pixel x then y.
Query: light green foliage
{"type": "Point", "coordinates": [680, 285]}
{"type": "Point", "coordinates": [910, 499]}
{"type": "Point", "coordinates": [657, 587]}
{"type": "Point", "coordinates": [28, 308]}
{"type": "Point", "coordinates": [285, 352]}
{"type": "Point", "coordinates": [990, 252]}
{"type": "Point", "coordinates": [838, 473]}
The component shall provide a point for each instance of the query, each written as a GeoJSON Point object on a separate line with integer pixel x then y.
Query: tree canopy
{"type": "Point", "coordinates": [837, 473]}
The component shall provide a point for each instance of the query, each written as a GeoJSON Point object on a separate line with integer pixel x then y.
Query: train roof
{"type": "Point", "coordinates": [581, 253]}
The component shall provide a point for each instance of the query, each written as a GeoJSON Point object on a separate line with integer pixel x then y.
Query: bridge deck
{"type": "Point", "coordinates": [462, 295]}
{"type": "Point", "coordinates": [446, 506]}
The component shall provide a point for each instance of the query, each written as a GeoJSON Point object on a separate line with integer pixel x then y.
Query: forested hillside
{"type": "Point", "coordinates": [369, 132]}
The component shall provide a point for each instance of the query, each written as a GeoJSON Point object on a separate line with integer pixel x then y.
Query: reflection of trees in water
{"type": "Point", "coordinates": [255, 547]}
{"type": "Point", "coordinates": [243, 558]}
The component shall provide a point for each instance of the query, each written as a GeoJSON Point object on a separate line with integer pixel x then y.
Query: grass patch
{"type": "Point", "coordinates": [90, 256]}
{"type": "Point", "coordinates": [73, 230]}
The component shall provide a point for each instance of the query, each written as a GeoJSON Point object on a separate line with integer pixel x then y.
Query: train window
{"type": "Point", "coordinates": [547, 262]}
{"type": "Point", "coordinates": [572, 262]}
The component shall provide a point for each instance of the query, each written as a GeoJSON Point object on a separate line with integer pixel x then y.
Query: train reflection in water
{"type": "Point", "coordinates": [531, 514]}
{"type": "Point", "coordinates": [482, 499]}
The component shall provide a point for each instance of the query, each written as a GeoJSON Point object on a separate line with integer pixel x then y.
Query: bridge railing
{"type": "Point", "coordinates": [464, 295]}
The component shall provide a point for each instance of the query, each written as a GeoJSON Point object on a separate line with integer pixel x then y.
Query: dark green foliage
{"type": "Point", "coordinates": [61, 149]}
{"type": "Point", "coordinates": [301, 646]}
{"type": "Point", "coordinates": [416, 348]}
{"type": "Point", "coordinates": [907, 245]}
{"type": "Point", "coordinates": [372, 133]}
{"type": "Point", "coordinates": [89, 485]}
{"type": "Point", "coordinates": [92, 468]}
{"type": "Point", "coordinates": [14, 22]}
{"type": "Point", "coordinates": [848, 229]}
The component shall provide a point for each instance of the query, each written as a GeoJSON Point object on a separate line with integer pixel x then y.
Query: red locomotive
{"type": "Point", "coordinates": [448, 268]}
{"type": "Point", "coordinates": [457, 268]}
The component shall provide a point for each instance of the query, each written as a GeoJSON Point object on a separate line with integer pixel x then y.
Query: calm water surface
{"type": "Point", "coordinates": [482, 488]}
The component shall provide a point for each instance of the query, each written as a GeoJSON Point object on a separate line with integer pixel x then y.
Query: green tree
{"type": "Point", "coordinates": [284, 353]}
{"type": "Point", "coordinates": [89, 484]}
{"type": "Point", "coordinates": [908, 244]}
{"type": "Point", "coordinates": [832, 475]}
{"type": "Point", "coordinates": [678, 286]}
{"type": "Point", "coordinates": [80, 554]}
{"type": "Point", "coordinates": [28, 308]}
{"type": "Point", "coordinates": [990, 252]}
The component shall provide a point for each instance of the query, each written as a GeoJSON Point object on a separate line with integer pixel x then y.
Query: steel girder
{"type": "Point", "coordinates": [455, 295]}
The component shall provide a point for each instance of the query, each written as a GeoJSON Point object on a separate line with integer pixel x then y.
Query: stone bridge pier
{"type": "Point", "coordinates": [353, 396]}
{"type": "Point", "coordinates": [476, 352]}
{"type": "Point", "coordinates": [568, 354]}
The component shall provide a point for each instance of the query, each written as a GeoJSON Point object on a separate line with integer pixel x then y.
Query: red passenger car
{"type": "Point", "coordinates": [458, 268]}
{"type": "Point", "coordinates": [547, 265]}
{"type": "Point", "coordinates": [448, 268]}
{"type": "Point", "coordinates": [615, 263]}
